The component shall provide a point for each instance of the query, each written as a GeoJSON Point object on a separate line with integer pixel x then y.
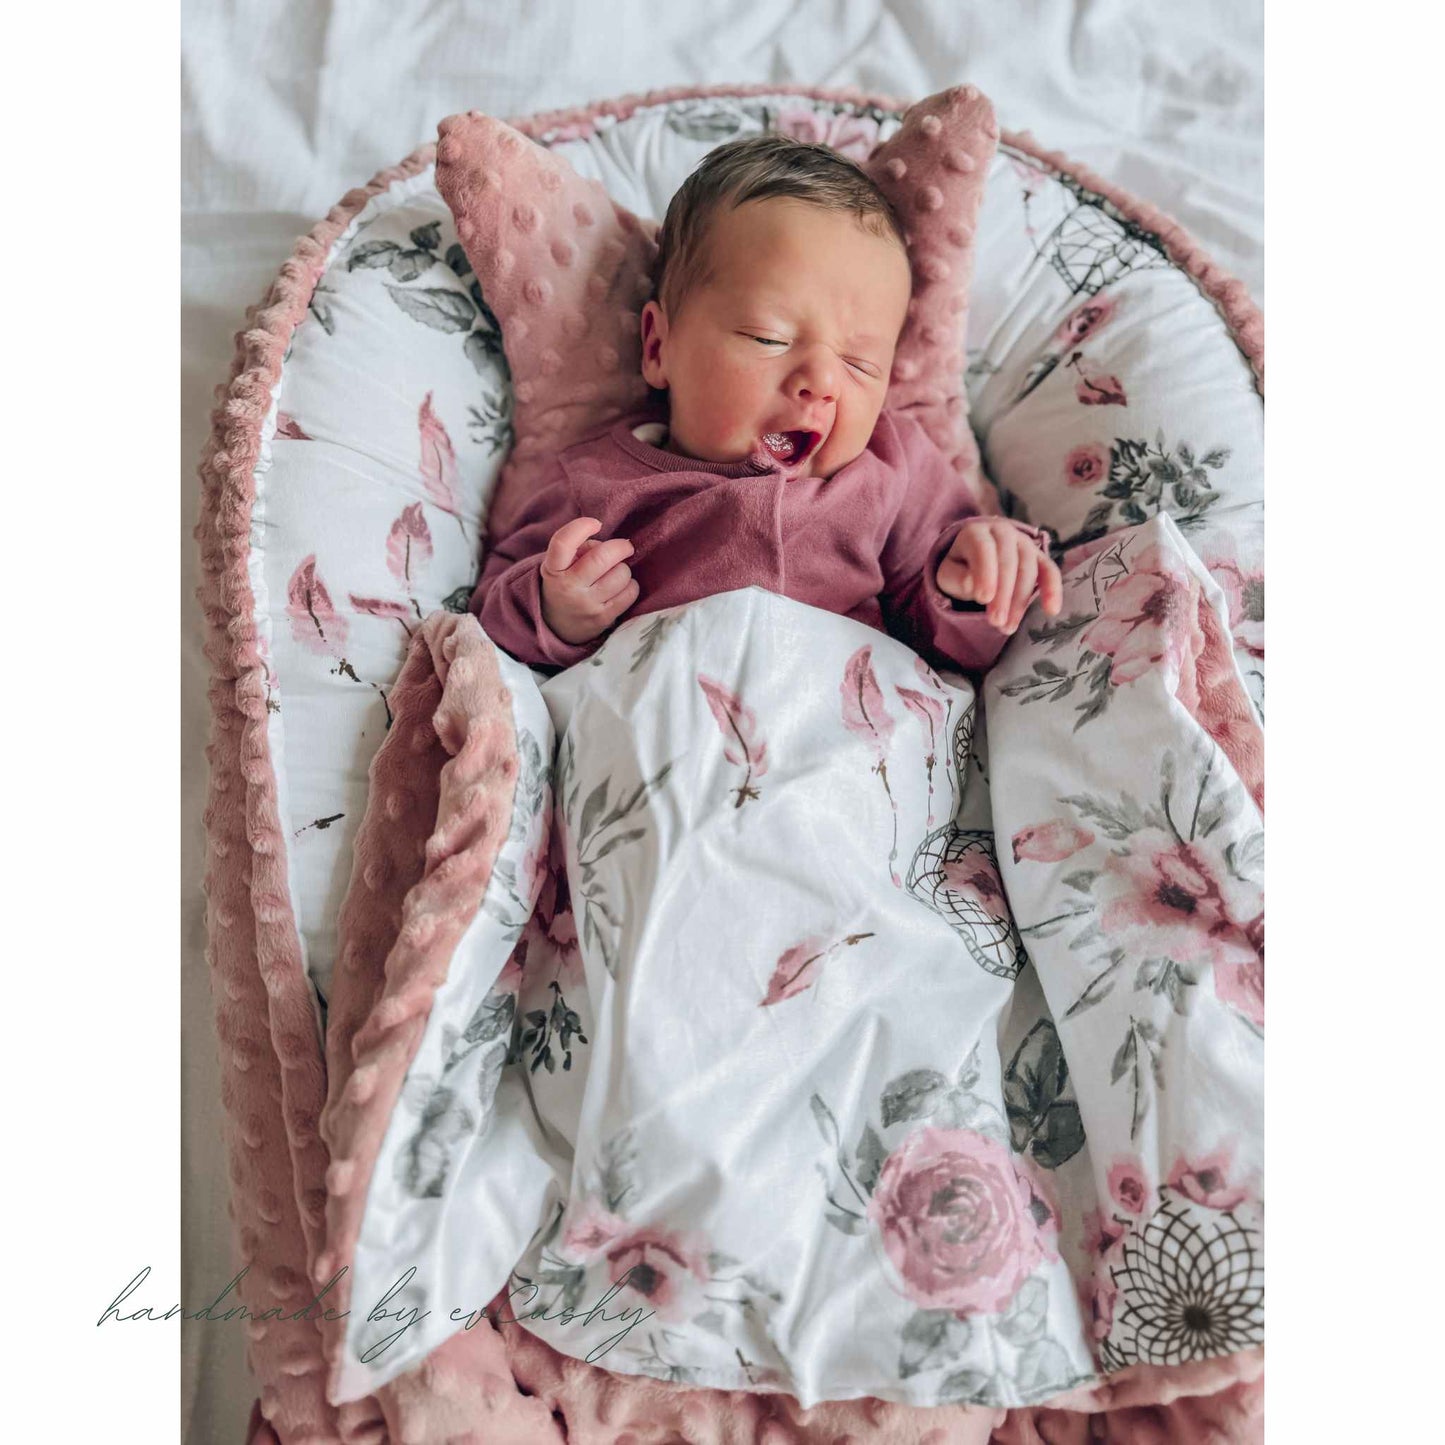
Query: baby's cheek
{"type": "Point", "coordinates": [731, 405]}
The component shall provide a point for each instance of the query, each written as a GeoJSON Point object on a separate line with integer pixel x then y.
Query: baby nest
{"type": "Point", "coordinates": [1114, 374]}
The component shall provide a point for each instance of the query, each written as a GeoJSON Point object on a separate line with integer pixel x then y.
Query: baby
{"type": "Point", "coordinates": [782, 287]}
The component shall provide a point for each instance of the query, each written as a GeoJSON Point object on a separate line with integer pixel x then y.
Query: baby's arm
{"type": "Point", "coordinates": [509, 600]}
{"type": "Point", "coordinates": [938, 534]}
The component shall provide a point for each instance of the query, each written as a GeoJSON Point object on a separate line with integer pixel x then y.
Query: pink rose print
{"type": "Point", "coordinates": [1129, 1186]}
{"type": "Point", "coordinates": [1096, 388]}
{"type": "Point", "coordinates": [510, 978]}
{"type": "Point", "coordinates": [1244, 592]}
{"type": "Point", "coordinates": [592, 1230]}
{"type": "Point", "coordinates": [1050, 842]}
{"type": "Point", "coordinates": [960, 1220]}
{"type": "Point", "coordinates": [854, 136]}
{"type": "Point", "coordinates": [552, 914]}
{"type": "Point", "coordinates": [1164, 899]}
{"type": "Point", "coordinates": [1100, 1234]}
{"type": "Point", "coordinates": [1147, 617]}
{"type": "Point", "coordinates": [1085, 466]}
{"type": "Point", "coordinates": [1206, 1181]}
{"type": "Point", "coordinates": [534, 870]}
{"type": "Point", "coordinates": [1086, 319]}
{"type": "Point", "coordinates": [1100, 390]}
{"type": "Point", "coordinates": [975, 878]}
{"type": "Point", "coordinates": [1241, 986]}
{"type": "Point", "coordinates": [1098, 1295]}
{"type": "Point", "coordinates": [655, 1263]}
{"type": "Point", "coordinates": [439, 462]}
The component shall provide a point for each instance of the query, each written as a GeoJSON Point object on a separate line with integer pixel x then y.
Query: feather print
{"type": "Point", "coordinates": [318, 626]}
{"type": "Point", "coordinates": [797, 968]}
{"type": "Point", "coordinates": [408, 545]}
{"type": "Point", "coordinates": [930, 712]}
{"type": "Point", "coordinates": [739, 726]}
{"type": "Point", "coordinates": [439, 462]}
{"type": "Point", "coordinates": [866, 716]}
{"type": "Point", "coordinates": [864, 712]}
{"type": "Point", "coordinates": [383, 607]}
{"type": "Point", "coordinates": [315, 623]}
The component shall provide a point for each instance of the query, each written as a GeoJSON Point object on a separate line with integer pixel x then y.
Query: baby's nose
{"type": "Point", "coordinates": [815, 381]}
{"type": "Point", "coordinates": [819, 391]}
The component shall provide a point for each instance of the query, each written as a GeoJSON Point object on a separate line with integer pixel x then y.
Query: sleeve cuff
{"type": "Point", "coordinates": [511, 616]}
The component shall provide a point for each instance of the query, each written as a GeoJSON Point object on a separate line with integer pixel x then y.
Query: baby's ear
{"type": "Point", "coordinates": [654, 334]}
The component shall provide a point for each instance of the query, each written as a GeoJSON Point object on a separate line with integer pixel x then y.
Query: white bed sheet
{"type": "Point", "coordinates": [285, 107]}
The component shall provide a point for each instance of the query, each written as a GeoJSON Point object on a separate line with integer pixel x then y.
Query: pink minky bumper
{"type": "Point", "coordinates": [505, 1385]}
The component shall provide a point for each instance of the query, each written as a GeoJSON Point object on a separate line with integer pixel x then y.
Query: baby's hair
{"type": "Point", "coordinates": [756, 168]}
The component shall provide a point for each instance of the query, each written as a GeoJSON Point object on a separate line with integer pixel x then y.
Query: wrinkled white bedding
{"type": "Point", "coordinates": [1165, 100]}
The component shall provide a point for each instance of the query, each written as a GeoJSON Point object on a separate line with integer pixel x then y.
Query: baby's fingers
{"type": "Point", "coordinates": [1051, 586]}
{"type": "Point", "coordinates": [979, 550]}
{"type": "Point", "coordinates": [592, 566]}
{"type": "Point", "coordinates": [1008, 568]}
{"type": "Point", "coordinates": [617, 590]}
{"type": "Point", "coordinates": [1028, 565]}
{"type": "Point", "coordinates": [567, 541]}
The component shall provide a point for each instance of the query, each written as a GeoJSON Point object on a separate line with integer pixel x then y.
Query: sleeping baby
{"type": "Point", "coordinates": [768, 459]}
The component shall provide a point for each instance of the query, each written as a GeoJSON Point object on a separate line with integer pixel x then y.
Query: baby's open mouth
{"type": "Point", "coordinates": [790, 447]}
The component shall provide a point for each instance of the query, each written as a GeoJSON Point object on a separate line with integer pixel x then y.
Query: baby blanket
{"type": "Point", "coordinates": [730, 1010]}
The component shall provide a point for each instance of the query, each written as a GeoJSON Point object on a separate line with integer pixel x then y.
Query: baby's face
{"type": "Point", "coordinates": [783, 351]}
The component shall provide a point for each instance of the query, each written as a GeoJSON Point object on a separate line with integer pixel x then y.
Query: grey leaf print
{"type": "Point", "coordinates": [423, 1164]}
{"type": "Point", "coordinates": [706, 120]}
{"type": "Point", "coordinates": [483, 350]}
{"type": "Point", "coordinates": [440, 309]}
{"type": "Point", "coordinates": [914, 1095]}
{"type": "Point", "coordinates": [408, 265]}
{"type": "Point", "coordinates": [370, 255]}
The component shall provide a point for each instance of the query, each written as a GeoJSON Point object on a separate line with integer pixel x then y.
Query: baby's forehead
{"type": "Point", "coordinates": [753, 241]}
{"type": "Point", "coordinates": [787, 263]}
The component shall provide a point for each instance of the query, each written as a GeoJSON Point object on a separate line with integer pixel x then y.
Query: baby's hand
{"type": "Point", "coordinates": [583, 592]}
{"type": "Point", "coordinates": [993, 563]}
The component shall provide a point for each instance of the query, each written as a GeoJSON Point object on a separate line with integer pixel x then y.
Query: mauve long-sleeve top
{"type": "Point", "coordinates": [865, 542]}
